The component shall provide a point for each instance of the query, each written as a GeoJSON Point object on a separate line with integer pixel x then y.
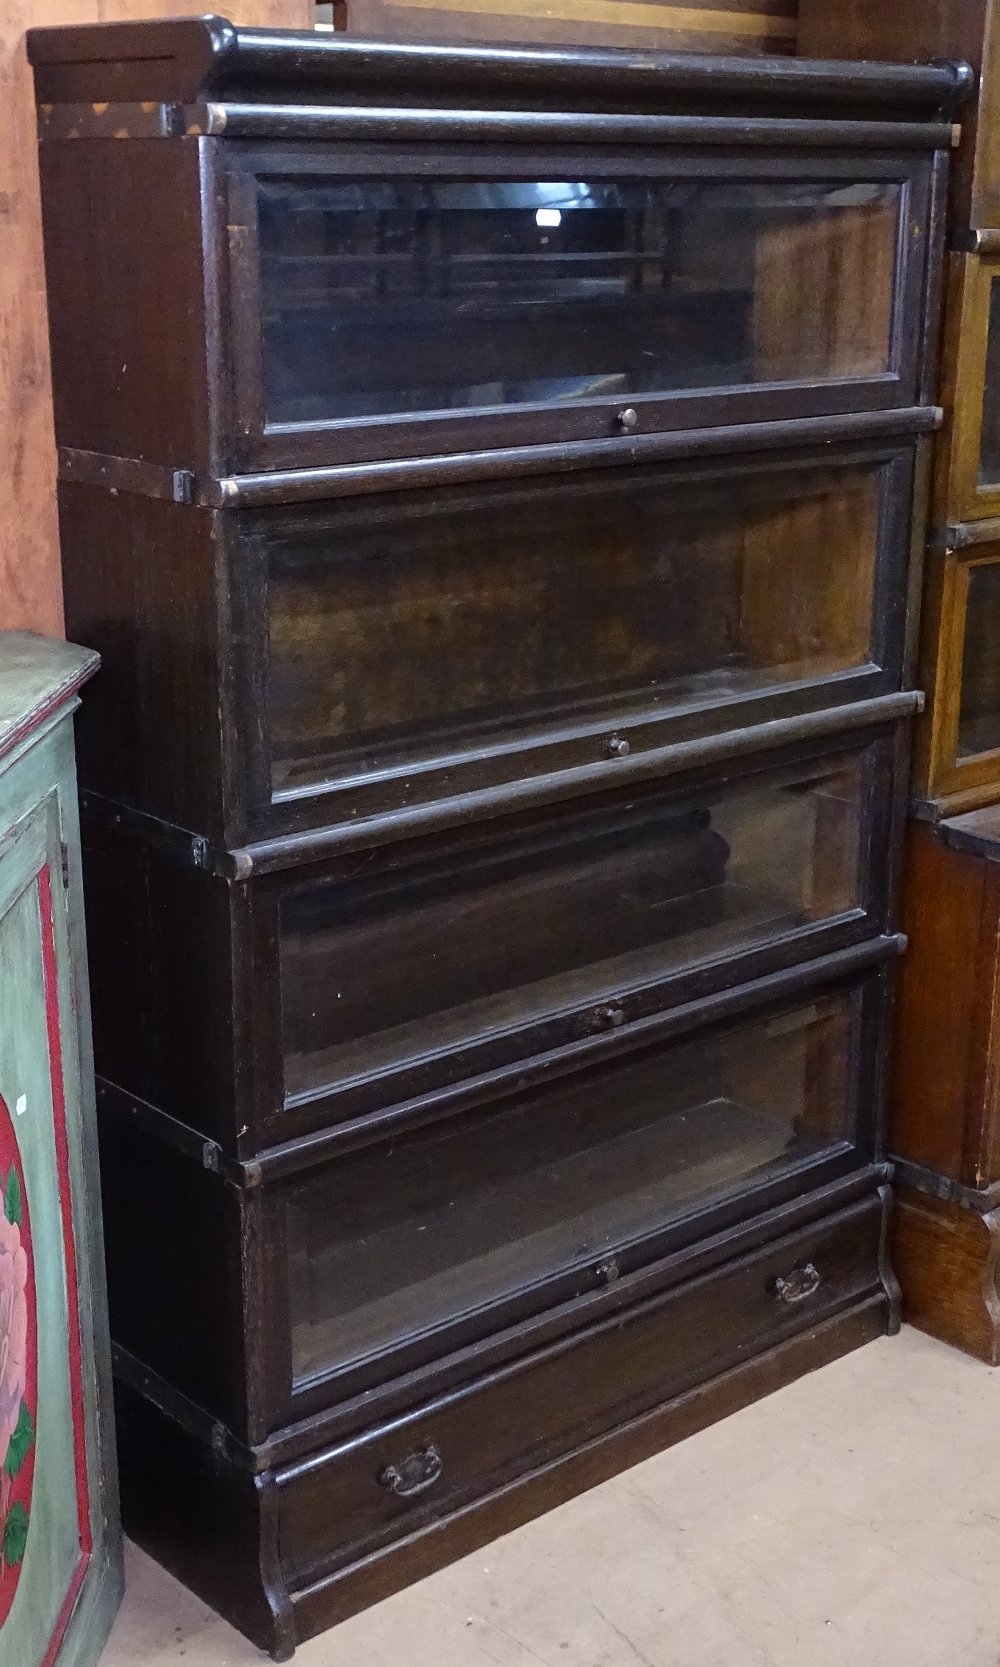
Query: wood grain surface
{"type": "Point", "coordinates": [946, 1257]}
{"type": "Point", "coordinates": [746, 27]}
{"type": "Point", "coordinates": [30, 590]}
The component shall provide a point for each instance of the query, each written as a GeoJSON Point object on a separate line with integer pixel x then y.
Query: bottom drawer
{"type": "Point", "coordinates": [340, 1505]}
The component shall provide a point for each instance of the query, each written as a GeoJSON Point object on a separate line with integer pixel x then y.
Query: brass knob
{"type": "Point", "coordinates": [608, 1018]}
{"type": "Point", "coordinates": [618, 747]}
{"type": "Point", "coordinates": [628, 419]}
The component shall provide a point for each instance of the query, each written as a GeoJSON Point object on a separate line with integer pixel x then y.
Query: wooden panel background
{"type": "Point", "coordinates": [744, 27]}
{"type": "Point", "coordinates": [30, 590]}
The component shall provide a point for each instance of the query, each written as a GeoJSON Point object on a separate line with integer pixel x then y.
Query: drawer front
{"type": "Point", "coordinates": [962, 726]}
{"type": "Point", "coordinates": [475, 291]}
{"type": "Point", "coordinates": [397, 976]}
{"type": "Point", "coordinates": [343, 1503]}
{"type": "Point", "coordinates": [423, 644]}
{"type": "Point", "coordinates": [424, 1241]}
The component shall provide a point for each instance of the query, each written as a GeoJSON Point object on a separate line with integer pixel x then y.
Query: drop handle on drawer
{"type": "Point", "coordinates": [413, 1474]}
{"type": "Point", "coordinates": [797, 1285]}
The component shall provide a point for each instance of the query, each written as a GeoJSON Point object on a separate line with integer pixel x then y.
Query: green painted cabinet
{"type": "Point", "coordinates": [60, 1544]}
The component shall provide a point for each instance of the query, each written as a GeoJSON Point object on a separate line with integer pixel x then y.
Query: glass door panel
{"type": "Point", "coordinates": [388, 297]}
{"type": "Point", "coordinates": [979, 704]}
{"type": "Point", "coordinates": [407, 627]}
{"type": "Point", "coordinates": [407, 1238]}
{"type": "Point", "coordinates": [575, 908]}
{"type": "Point", "coordinates": [989, 443]}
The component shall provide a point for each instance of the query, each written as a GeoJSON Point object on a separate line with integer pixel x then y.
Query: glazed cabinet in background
{"type": "Point", "coordinates": [945, 1090]}
{"type": "Point", "coordinates": [943, 1108]}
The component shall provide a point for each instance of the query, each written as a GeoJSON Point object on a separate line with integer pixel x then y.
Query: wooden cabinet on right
{"type": "Point", "coordinates": [946, 1091]}
{"type": "Point", "coordinates": [957, 767]}
{"type": "Point", "coordinates": [923, 30]}
{"type": "Point", "coordinates": [967, 486]}
{"type": "Point", "coordinates": [945, 1103]}
{"type": "Point", "coordinates": [957, 759]}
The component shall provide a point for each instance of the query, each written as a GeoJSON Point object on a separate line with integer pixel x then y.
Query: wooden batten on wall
{"type": "Point", "coordinates": [30, 589]}
{"type": "Point", "coordinates": [745, 27]}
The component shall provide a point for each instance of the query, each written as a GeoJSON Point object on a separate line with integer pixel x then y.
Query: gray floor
{"type": "Point", "coordinates": [851, 1519]}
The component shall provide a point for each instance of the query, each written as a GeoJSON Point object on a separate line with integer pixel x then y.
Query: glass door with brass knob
{"type": "Point", "coordinates": [411, 1246]}
{"type": "Point", "coordinates": [473, 299]}
{"type": "Point", "coordinates": [402, 648]}
{"type": "Point", "coordinates": [577, 924]}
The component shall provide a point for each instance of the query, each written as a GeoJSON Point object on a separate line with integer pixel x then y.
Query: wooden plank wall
{"type": "Point", "coordinates": [744, 27]}
{"type": "Point", "coordinates": [30, 591]}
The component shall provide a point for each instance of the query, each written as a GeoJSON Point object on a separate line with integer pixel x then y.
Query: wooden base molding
{"type": "Point", "coordinates": [233, 1561]}
{"type": "Point", "coordinates": [946, 1254]}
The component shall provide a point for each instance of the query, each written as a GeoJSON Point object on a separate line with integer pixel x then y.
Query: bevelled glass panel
{"type": "Point", "coordinates": [979, 704]}
{"type": "Point", "coordinates": [406, 1237]}
{"type": "Point", "coordinates": [410, 625]}
{"type": "Point", "coordinates": [386, 297]}
{"type": "Point", "coordinates": [574, 908]}
{"type": "Point", "coordinates": [989, 440]}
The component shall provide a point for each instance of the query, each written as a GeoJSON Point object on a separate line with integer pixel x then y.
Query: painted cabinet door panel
{"type": "Point", "coordinates": [58, 1546]}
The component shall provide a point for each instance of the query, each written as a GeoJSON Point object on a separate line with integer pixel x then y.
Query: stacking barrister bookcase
{"type": "Point", "coordinates": [491, 479]}
{"type": "Point", "coordinates": [945, 1117]}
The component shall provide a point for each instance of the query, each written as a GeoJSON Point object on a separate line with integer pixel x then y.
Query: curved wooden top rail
{"type": "Point", "coordinates": [190, 59]}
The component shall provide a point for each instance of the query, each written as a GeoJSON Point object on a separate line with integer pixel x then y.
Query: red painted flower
{"type": "Point", "coordinates": [18, 1367]}
{"type": "Point", "coordinates": [13, 1331]}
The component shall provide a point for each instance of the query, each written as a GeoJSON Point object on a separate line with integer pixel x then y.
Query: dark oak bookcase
{"type": "Point", "coordinates": [495, 482]}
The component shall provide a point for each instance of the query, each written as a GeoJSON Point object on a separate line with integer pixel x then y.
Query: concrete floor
{"type": "Point", "coordinates": [851, 1519]}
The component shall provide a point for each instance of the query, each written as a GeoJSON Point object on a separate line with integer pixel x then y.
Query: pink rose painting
{"type": "Point", "coordinates": [18, 1365]}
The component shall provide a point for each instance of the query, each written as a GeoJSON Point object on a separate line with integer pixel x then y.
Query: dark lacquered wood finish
{"type": "Point", "coordinates": [573, 326]}
{"type": "Point", "coordinates": [378, 1262]}
{"type": "Point", "coordinates": [493, 792]}
{"type": "Point", "coordinates": [581, 923]}
{"type": "Point", "coordinates": [315, 280]}
{"type": "Point", "coordinates": [550, 624]}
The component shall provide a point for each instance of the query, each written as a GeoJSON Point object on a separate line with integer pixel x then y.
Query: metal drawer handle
{"type": "Point", "coordinates": [607, 1018]}
{"type": "Point", "coordinates": [798, 1285]}
{"type": "Point", "coordinates": [413, 1474]}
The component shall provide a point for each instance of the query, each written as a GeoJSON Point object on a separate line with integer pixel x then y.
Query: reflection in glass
{"type": "Point", "coordinates": [406, 1237]}
{"type": "Point", "coordinates": [383, 297]}
{"type": "Point", "coordinates": [577, 907]}
{"type": "Point", "coordinates": [979, 705]}
{"type": "Point", "coordinates": [404, 625]}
